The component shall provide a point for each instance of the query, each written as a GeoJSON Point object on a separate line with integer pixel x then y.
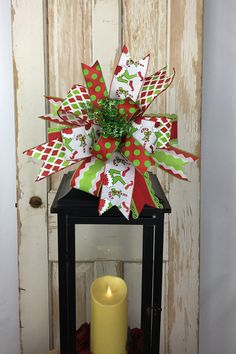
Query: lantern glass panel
{"type": "Point", "coordinates": [109, 250]}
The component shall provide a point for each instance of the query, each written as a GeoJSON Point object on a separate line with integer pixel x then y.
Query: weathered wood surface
{"type": "Point", "coordinates": [84, 278]}
{"type": "Point", "coordinates": [144, 31]}
{"type": "Point", "coordinates": [185, 48]}
{"type": "Point", "coordinates": [28, 51]}
{"type": "Point", "coordinates": [83, 31]}
{"type": "Point", "coordinates": [69, 33]}
{"type": "Point", "coordinates": [184, 51]}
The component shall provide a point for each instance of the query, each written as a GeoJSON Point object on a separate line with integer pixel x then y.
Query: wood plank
{"type": "Point", "coordinates": [29, 103]}
{"type": "Point", "coordinates": [133, 279]}
{"type": "Point", "coordinates": [144, 32]}
{"type": "Point", "coordinates": [89, 279]}
{"type": "Point", "coordinates": [183, 39]}
{"type": "Point", "coordinates": [185, 48]}
{"type": "Point", "coordinates": [143, 37]}
{"type": "Point", "coordinates": [106, 35]}
{"type": "Point", "coordinates": [164, 313]}
{"type": "Point", "coordinates": [69, 43]}
{"type": "Point", "coordinates": [102, 268]}
{"type": "Point", "coordinates": [54, 305]}
{"type": "Point", "coordinates": [84, 278]}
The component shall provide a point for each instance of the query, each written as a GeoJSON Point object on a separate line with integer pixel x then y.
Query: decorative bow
{"type": "Point", "coordinates": [109, 137]}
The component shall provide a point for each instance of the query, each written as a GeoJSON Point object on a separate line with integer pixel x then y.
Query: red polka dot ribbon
{"type": "Point", "coordinates": [137, 154]}
{"type": "Point", "coordinates": [128, 107]}
{"type": "Point", "coordinates": [104, 147]}
{"type": "Point", "coordinates": [95, 82]}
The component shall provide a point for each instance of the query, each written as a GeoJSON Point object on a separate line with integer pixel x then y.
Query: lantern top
{"type": "Point", "coordinates": [73, 201]}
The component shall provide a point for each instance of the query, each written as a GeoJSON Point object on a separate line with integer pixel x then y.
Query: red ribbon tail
{"type": "Point", "coordinates": [143, 194]}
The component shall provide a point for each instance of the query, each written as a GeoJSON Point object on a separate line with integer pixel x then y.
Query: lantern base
{"type": "Point", "coordinates": [135, 344]}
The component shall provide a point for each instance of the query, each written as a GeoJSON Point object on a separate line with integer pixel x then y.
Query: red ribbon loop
{"type": "Point", "coordinates": [104, 147]}
{"type": "Point", "coordinates": [137, 154]}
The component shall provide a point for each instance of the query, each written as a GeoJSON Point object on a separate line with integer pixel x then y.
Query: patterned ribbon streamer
{"type": "Point", "coordinates": [117, 185]}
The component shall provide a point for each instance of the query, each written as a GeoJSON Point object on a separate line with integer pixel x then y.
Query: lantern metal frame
{"type": "Point", "coordinates": [73, 207]}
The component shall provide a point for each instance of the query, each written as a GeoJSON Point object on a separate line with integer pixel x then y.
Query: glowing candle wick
{"type": "Point", "coordinates": [109, 292]}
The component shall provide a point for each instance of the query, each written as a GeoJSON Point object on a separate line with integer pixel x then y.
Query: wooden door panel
{"type": "Point", "coordinates": [84, 274]}
{"type": "Point", "coordinates": [185, 48]}
{"type": "Point", "coordinates": [144, 31]}
{"type": "Point", "coordinates": [64, 33]}
{"type": "Point", "coordinates": [69, 37]}
{"type": "Point", "coordinates": [29, 82]}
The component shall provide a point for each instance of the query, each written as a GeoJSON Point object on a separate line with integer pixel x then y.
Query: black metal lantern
{"type": "Point", "coordinates": [76, 207]}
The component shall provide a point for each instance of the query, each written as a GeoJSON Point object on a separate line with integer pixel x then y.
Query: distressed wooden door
{"type": "Point", "coordinates": [50, 40]}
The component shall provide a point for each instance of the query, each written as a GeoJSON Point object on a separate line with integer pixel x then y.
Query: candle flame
{"type": "Point", "coordinates": [109, 292]}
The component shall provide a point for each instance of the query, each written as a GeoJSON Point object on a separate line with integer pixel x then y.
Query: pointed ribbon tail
{"type": "Point", "coordinates": [52, 154]}
{"type": "Point", "coordinates": [128, 76]}
{"type": "Point", "coordinates": [73, 108]}
{"type": "Point", "coordinates": [143, 194]}
{"type": "Point", "coordinates": [104, 205]}
{"type": "Point", "coordinates": [95, 82]}
{"type": "Point", "coordinates": [153, 86]}
{"type": "Point", "coordinates": [53, 116]}
{"type": "Point", "coordinates": [117, 185]}
{"type": "Point", "coordinates": [57, 101]}
{"type": "Point", "coordinates": [55, 119]}
{"type": "Point", "coordinates": [173, 161]}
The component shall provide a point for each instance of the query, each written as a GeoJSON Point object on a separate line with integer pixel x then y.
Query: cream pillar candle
{"type": "Point", "coordinates": [109, 318]}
